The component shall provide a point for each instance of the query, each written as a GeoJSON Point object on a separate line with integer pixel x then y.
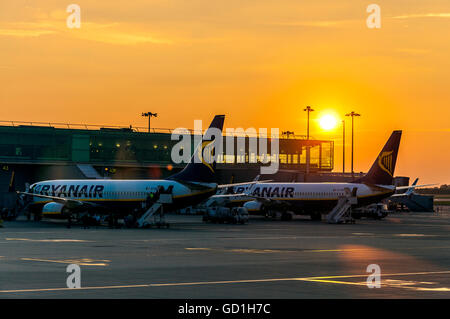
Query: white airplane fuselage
{"type": "Point", "coordinates": [121, 195]}
{"type": "Point", "coordinates": [304, 197]}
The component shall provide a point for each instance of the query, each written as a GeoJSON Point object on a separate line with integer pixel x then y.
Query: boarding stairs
{"type": "Point", "coordinates": [154, 215]}
{"type": "Point", "coordinates": [342, 212]}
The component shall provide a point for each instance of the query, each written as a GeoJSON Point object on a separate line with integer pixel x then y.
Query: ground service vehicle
{"type": "Point", "coordinates": [235, 215]}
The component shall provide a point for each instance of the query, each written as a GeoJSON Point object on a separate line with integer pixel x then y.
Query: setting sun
{"type": "Point", "coordinates": [328, 122]}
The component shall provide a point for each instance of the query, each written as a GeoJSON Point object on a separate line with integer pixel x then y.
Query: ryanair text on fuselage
{"type": "Point", "coordinates": [74, 191]}
{"type": "Point", "coordinates": [278, 192]}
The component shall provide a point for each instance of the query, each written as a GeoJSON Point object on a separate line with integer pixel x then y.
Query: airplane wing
{"type": "Point", "coordinates": [414, 186]}
{"type": "Point", "coordinates": [244, 183]}
{"type": "Point", "coordinates": [249, 194]}
{"type": "Point", "coordinates": [410, 189]}
{"type": "Point", "coordinates": [71, 203]}
{"type": "Point", "coordinates": [231, 195]}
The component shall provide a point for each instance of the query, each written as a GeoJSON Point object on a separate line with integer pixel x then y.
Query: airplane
{"type": "Point", "coordinates": [315, 199]}
{"type": "Point", "coordinates": [195, 183]}
{"type": "Point", "coordinates": [411, 200]}
{"type": "Point", "coordinates": [229, 200]}
{"type": "Point", "coordinates": [408, 192]}
{"type": "Point", "coordinates": [410, 189]}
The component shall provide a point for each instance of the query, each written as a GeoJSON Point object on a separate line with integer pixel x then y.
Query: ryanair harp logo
{"type": "Point", "coordinates": [385, 162]}
{"type": "Point", "coordinates": [206, 154]}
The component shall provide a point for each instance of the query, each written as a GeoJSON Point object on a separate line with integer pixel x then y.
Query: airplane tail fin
{"type": "Point", "coordinates": [382, 170]}
{"type": "Point", "coordinates": [202, 166]}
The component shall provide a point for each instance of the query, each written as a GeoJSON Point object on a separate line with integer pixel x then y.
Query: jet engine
{"type": "Point", "coordinates": [53, 208]}
{"type": "Point", "coordinates": [254, 206]}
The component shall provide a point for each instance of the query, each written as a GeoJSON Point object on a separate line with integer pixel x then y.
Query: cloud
{"type": "Point", "coordinates": [24, 33]}
{"type": "Point", "coordinates": [318, 24]}
{"type": "Point", "coordinates": [423, 15]}
{"type": "Point", "coordinates": [108, 33]}
{"type": "Point", "coordinates": [111, 33]}
{"type": "Point", "coordinates": [336, 23]}
{"type": "Point", "coordinates": [123, 38]}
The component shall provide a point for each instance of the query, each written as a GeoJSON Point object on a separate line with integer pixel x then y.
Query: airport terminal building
{"type": "Point", "coordinates": [40, 151]}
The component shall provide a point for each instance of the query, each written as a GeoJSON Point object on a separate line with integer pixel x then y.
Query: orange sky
{"type": "Point", "coordinates": [260, 62]}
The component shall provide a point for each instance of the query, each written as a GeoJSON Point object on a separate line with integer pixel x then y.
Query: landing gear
{"type": "Point", "coordinates": [130, 221]}
{"type": "Point", "coordinates": [37, 216]}
{"type": "Point", "coordinates": [282, 215]}
{"type": "Point", "coordinates": [316, 216]}
{"type": "Point", "coordinates": [113, 221]}
{"type": "Point", "coordinates": [271, 214]}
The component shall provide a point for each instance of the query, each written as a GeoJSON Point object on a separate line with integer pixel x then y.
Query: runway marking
{"type": "Point", "coordinates": [387, 283]}
{"type": "Point", "coordinates": [434, 289]}
{"type": "Point", "coordinates": [257, 251]}
{"type": "Point", "coordinates": [51, 240]}
{"type": "Point", "coordinates": [414, 235]}
{"type": "Point", "coordinates": [272, 238]}
{"type": "Point", "coordinates": [73, 289]}
{"type": "Point", "coordinates": [386, 275]}
{"type": "Point", "coordinates": [281, 238]}
{"type": "Point", "coordinates": [337, 282]}
{"type": "Point", "coordinates": [271, 251]}
{"type": "Point", "coordinates": [241, 250]}
{"type": "Point", "coordinates": [405, 282]}
{"type": "Point", "coordinates": [324, 279]}
{"type": "Point", "coordinates": [222, 282]}
{"type": "Point", "coordinates": [81, 262]}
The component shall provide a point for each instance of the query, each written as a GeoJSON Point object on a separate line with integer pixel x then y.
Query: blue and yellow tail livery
{"type": "Point", "coordinates": [382, 170]}
{"type": "Point", "coordinates": [200, 168]}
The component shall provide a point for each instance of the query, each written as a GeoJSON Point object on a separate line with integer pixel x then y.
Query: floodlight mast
{"type": "Point", "coordinates": [352, 114]}
{"type": "Point", "coordinates": [149, 115]}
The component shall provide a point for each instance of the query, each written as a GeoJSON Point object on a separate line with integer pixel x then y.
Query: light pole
{"type": "Point", "coordinates": [149, 115]}
{"type": "Point", "coordinates": [308, 109]}
{"type": "Point", "coordinates": [343, 146]}
{"type": "Point", "coordinates": [352, 114]}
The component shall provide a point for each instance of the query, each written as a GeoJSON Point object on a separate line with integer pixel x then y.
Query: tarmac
{"type": "Point", "coordinates": [262, 260]}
